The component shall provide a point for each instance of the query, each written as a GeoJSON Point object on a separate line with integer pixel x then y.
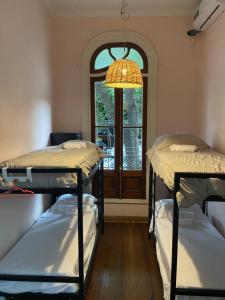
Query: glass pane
{"type": "Point", "coordinates": [105, 138]}
{"type": "Point", "coordinates": [104, 59]}
{"type": "Point", "coordinates": [135, 56]}
{"type": "Point", "coordinates": [104, 104]}
{"type": "Point", "coordinates": [132, 107]}
{"type": "Point", "coordinates": [119, 52]}
{"type": "Point", "coordinates": [132, 148]}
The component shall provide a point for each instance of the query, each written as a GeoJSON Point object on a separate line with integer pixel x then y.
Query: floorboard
{"type": "Point", "coordinates": [125, 267]}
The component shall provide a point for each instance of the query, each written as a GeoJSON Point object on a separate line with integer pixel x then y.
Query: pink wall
{"type": "Point", "coordinates": [25, 79]}
{"type": "Point", "coordinates": [176, 91]}
{"type": "Point", "coordinates": [210, 54]}
{"type": "Point", "coordinates": [25, 101]}
{"type": "Point", "coordinates": [210, 50]}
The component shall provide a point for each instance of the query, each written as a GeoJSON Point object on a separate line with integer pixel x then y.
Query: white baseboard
{"type": "Point", "coordinates": [126, 207]}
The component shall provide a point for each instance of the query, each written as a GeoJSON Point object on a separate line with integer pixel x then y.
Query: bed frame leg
{"type": "Point", "coordinates": [102, 196]}
{"type": "Point", "coordinates": [151, 203]}
{"type": "Point", "coordinates": [174, 239]}
{"type": "Point", "coordinates": [150, 200]}
{"type": "Point", "coordinates": [80, 234]}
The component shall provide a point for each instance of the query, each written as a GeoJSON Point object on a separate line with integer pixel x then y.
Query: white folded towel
{"type": "Point", "coordinates": [74, 145]}
{"type": "Point", "coordinates": [183, 148]}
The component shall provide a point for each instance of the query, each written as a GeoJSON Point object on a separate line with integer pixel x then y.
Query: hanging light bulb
{"type": "Point", "coordinates": [124, 73]}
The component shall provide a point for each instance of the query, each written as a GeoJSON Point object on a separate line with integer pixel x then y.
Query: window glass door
{"type": "Point", "coordinates": [119, 120]}
{"type": "Point", "coordinates": [132, 129]}
{"type": "Point", "coordinates": [133, 145]}
{"type": "Point", "coordinates": [105, 122]}
{"type": "Point", "coordinates": [118, 127]}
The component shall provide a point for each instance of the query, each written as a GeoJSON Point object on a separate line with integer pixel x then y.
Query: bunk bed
{"type": "Point", "coordinates": [54, 257]}
{"type": "Point", "coordinates": [190, 250]}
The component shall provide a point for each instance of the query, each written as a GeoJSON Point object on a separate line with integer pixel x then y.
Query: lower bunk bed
{"type": "Point", "coordinates": [201, 251]}
{"type": "Point", "coordinates": [50, 247]}
{"type": "Point", "coordinates": [53, 259]}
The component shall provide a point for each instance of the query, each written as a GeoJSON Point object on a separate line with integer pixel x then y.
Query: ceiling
{"type": "Point", "coordinates": [111, 8]}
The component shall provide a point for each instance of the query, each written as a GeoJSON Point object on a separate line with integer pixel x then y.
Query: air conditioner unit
{"type": "Point", "coordinates": [207, 13]}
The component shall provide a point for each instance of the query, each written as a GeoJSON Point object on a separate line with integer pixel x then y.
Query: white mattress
{"type": "Point", "coordinates": [50, 247]}
{"type": "Point", "coordinates": [201, 257]}
{"type": "Point", "coordinates": [165, 163]}
{"type": "Point", "coordinates": [54, 157]}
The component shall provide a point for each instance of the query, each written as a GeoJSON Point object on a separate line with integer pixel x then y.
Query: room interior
{"type": "Point", "coordinates": [44, 86]}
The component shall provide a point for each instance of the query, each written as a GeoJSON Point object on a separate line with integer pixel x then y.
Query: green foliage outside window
{"type": "Point", "coordinates": [104, 105]}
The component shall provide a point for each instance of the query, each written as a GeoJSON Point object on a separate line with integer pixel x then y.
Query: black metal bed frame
{"type": "Point", "coordinates": [152, 199]}
{"type": "Point", "coordinates": [78, 190]}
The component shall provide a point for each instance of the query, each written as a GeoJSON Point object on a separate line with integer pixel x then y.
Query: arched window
{"type": "Point", "coordinates": [102, 58]}
{"type": "Point", "coordinates": [119, 122]}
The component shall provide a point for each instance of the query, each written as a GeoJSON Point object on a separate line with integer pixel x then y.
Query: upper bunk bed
{"type": "Point", "coordinates": [194, 174]}
{"type": "Point", "coordinates": [186, 153]}
{"type": "Point", "coordinates": [69, 155]}
{"type": "Point", "coordinates": [64, 169]}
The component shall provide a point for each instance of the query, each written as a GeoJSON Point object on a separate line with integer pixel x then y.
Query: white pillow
{"type": "Point", "coordinates": [68, 210]}
{"type": "Point", "coordinates": [167, 140]}
{"type": "Point", "coordinates": [64, 209]}
{"type": "Point", "coordinates": [164, 209]}
{"type": "Point", "coordinates": [183, 148]}
{"type": "Point", "coordinates": [68, 199]}
{"type": "Point", "coordinates": [81, 144]}
{"type": "Point", "coordinates": [74, 144]}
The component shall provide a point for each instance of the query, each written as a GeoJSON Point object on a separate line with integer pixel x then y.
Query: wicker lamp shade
{"type": "Point", "coordinates": [124, 73]}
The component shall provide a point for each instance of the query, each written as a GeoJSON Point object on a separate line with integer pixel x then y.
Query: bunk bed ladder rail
{"type": "Point", "coordinates": [99, 170]}
{"type": "Point", "coordinates": [80, 233]}
{"type": "Point", "coordinates": [101, 195]}
{"type": "Point", "coordinates": [100, 227]}
{"type": "Point", "coordinates": [174, 237]}
{"type": "Point", "coordinates": [152, 199]}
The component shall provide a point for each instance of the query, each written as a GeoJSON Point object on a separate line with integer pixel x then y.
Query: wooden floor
{"type": "Point", "coordinates": [125, 266]}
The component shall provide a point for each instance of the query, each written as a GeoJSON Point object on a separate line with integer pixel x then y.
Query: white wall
{"type": "Point", "coordinates": [17, 213]}
{"type": "Point", "coordinates": [25, 100]}
{"type": "Point", "coordinates": [209, 49]}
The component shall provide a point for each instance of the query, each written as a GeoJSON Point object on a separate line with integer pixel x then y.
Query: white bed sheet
{"type": "Point", "coordinates": [50, 247]}
{"type": "Point", "coordinates": [201, 257]}
{"type": "Point", "coordinates": [165, 163]}
{"type": "Point", "coordinates": [54, 157]}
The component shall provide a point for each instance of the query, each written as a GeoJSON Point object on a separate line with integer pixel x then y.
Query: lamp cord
{"type": "Point", "coordinates": [125, 17]}
{"type": "Point", "coordinates": [123, 12]}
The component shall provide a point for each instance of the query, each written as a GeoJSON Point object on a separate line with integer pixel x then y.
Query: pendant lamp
{"type": "Point", "coordinates": [124, 73]}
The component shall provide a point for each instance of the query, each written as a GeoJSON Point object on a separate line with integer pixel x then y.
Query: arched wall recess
{"type": "Point", "coordinates": [118, 36]}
